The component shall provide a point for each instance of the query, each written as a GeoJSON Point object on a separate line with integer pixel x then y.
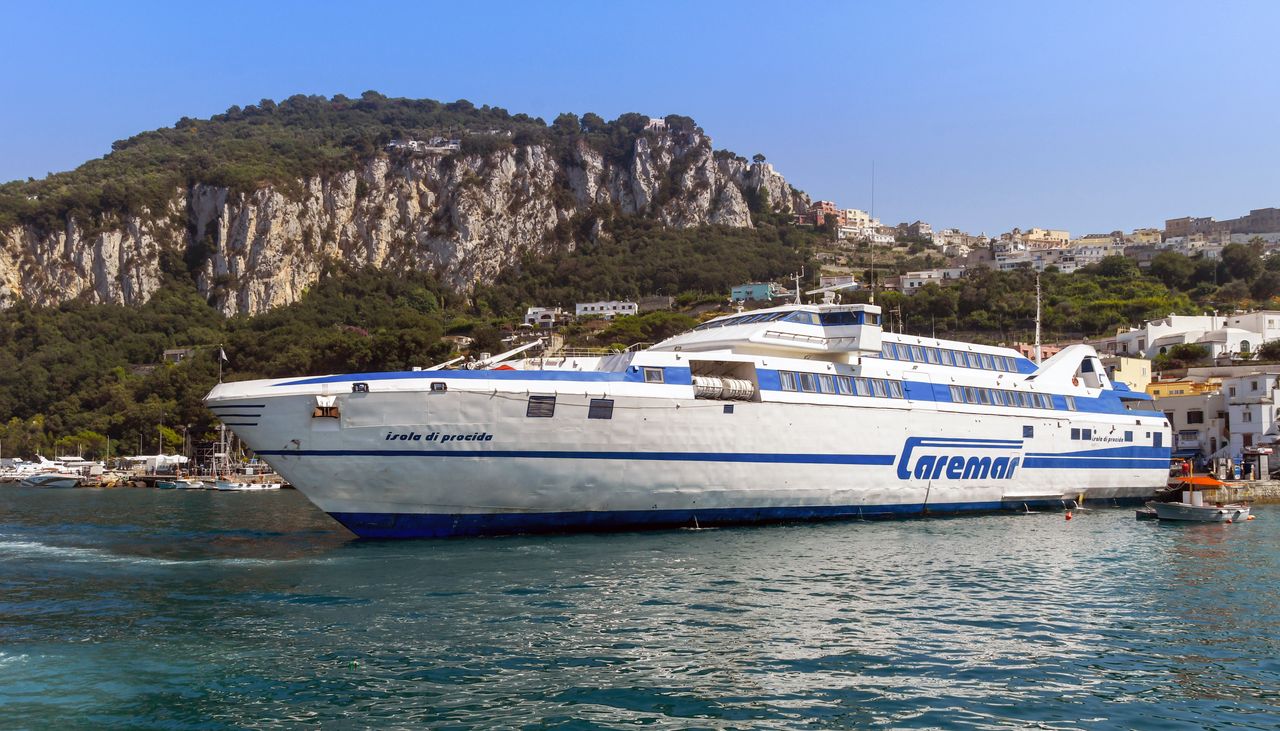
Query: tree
{"type": "Point", "coordinates": [1270, 350]}
{"type": "Point", "coordinates": [1117, 266]}
{"type": "Point", "coordinates": [1266, 286]}
{"type": "Point", "coordinates": [567, 123]}
{"type": "Point", "coordinates": [1172, 268]}
{"type": "Point", "coordinates": [1189, 352]}
{"type": "Point", "coordinates": [1241, 261]}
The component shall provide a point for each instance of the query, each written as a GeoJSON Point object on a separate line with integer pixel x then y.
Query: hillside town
{"type": "Point", "coordinates": [1033, 248]}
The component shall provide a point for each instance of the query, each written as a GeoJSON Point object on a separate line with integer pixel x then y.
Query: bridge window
{"type": "Point", "coordinates": [877, 387]}
{"type": "Point", "coordinates": [804, 318]}
{"type": "Point", "coordinates": [1071, 403]}
{"type": "Point", "coordinates": [945, 355]}
{"type": "Point", "coordinates": [997, 398]}
{"type": "Point", "coordinates": [895, 389]}
{"type": "Point", "coordinates": [838, 318]}
{"type": "Point", "coordinates": [808, 383]}
{"type": "Point", "coordinates": [986, 362]}
{"type": "Point", "coordinates": [654, 375]}
{"type": "Point", "coordinates": [932, 353]}
{"type": "Point", "coordinates": [861, 385]}
{"type": "Point", "coordinates": [788, 380]}
{"type": "Point", "coordinates": [957, 394]}
{"type": "Point", "coordinates": [845, 385]}
{"type": "Point", "coordinates": [826, 383]}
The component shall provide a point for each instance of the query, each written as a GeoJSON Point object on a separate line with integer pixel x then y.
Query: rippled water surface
{"type": "Point", "coordinates": [146, 608]}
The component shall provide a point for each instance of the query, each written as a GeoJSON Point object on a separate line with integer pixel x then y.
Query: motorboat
{"type": "Point", "coordinates": [51, 479]}
{"type": "Point", "coordinates": [1193, 507]}
{"type": "Point", "coordinates": [1210, 513]}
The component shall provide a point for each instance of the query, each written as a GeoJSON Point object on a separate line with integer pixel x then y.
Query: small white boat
{"type": "Point", "coordinates": [1203, 513]}
{"type": "Point", "coordinates": [246, 486]}
{"type": "Point", "coordinates": [1193, 507]}
{"type": "Point", "coordinates": [189, 485]}
{"type": "Point", "coordinates": [51, 479]}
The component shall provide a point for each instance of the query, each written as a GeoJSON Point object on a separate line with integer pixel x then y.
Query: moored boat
{"type": "Point", "coordinates": [1210, 513]}
{"type": "Point", "coordinates": [795, 412]}
{"type": "Point", "coordinates": [1192, 505]}
{"type": "Point", "coordinates": [51, 479]}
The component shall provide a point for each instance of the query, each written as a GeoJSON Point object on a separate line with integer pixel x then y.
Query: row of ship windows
{"type": "Point", "coordinates": [886, 388]}
{"type": "Point", "coordinates": [844, 385]}
{"type": "Point", "coordinates": [942, 356]}
{"type": "Point", "coordinates": [802, 317]}
{"type": "Point", "coordinates": [997, 397]}
{"type": "Point", "coordinates": [544, 407]}
{"type": "Point", "coordinates": [1087, 435]}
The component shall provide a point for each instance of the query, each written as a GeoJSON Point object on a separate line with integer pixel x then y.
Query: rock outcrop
{"type": "Point", "coordinates": [465, 217]}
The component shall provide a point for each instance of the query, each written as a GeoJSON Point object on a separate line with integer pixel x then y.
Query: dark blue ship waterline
{"type": "Point", "coordinates": [430, 525]}
{"type": "Point", "coordinates": [204, 610]}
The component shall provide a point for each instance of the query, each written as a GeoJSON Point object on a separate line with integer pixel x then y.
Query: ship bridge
{"type": "Point", "coordinates": [841, 332]}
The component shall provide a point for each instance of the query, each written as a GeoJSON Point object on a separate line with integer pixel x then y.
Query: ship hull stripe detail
{"type": "Point", "coordinates": [443, 525]}
{"type": "Point", "coordinates": [1084, 463]}
{"type": "Point", "coordinates": [849, 459]}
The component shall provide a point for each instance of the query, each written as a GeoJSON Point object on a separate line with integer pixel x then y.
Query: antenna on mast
{"type": "Point", "coordinates": [1037, 353]}
{"type": "Point", "coordinates": [797, 280]}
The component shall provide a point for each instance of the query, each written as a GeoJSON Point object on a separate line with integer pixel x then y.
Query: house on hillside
{"type": "Point", "coordinates": [608, 310]}
{"type": "Point", "coordinates": [543, 317]}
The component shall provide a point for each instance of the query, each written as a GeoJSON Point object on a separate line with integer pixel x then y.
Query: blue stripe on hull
{"type": "Point", "coordinates": [757, 457]}
{"type": "Point", "coordinates": [436, 525]}
{"type": "Point", "coordinates": [1084, 463]}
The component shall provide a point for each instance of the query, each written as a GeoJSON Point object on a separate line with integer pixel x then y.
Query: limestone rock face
{"type": "Point", "coordinates": [464, 217]}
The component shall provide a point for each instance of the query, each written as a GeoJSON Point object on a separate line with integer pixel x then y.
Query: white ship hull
{"type": "Point", "coordinates": [474, 463]}
{"type": "Point", "coordinates": [795, 412]}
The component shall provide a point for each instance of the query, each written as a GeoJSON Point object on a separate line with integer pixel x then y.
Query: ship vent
{"type": "Point", "coordinates": [723, 389]}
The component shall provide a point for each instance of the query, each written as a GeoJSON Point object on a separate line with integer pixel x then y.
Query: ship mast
{"type": "Point", "coordinates": [1037, 353]}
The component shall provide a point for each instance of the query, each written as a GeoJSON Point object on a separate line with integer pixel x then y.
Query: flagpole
{"type": "Point", "coordinates": [222, 355]}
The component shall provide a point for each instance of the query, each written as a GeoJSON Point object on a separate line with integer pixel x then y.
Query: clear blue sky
{"type": "Point", "coordinates": [1089, 116]}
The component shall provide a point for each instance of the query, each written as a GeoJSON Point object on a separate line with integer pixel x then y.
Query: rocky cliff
{"type": "Point", "coordinates": [465, 216]}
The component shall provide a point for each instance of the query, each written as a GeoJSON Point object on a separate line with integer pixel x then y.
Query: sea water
{"type": "Point", "coordinates": [211, 610]}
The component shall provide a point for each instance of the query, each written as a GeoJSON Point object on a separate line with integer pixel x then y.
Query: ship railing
{"type": "Point", "coordinates": [797, 337]}
{"type": "Point", "coordinates": [583, 352]}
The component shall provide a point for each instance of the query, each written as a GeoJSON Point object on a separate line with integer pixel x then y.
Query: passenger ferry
{"type": "Point", "coordinates": [797, 412]}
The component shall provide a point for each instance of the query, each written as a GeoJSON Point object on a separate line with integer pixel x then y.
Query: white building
{"type": "Point", "coordinates": [1199, 423]}
{"type": "Point", "coordinates": [913, 281]}
{"type": "Point", "coordinates": [543, 316]}
{"type": "Point", "coordinates": [836, 280]}
{"type": "Point", "coordinates": [1236, 335]}
{"type": "Point", "coordinates": [1252, 412]}
{"type": "Point", "coordinates": [608, 310]}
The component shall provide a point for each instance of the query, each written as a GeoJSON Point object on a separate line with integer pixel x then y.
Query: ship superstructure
{"type": "Point", "coordinates": [791, 412]}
